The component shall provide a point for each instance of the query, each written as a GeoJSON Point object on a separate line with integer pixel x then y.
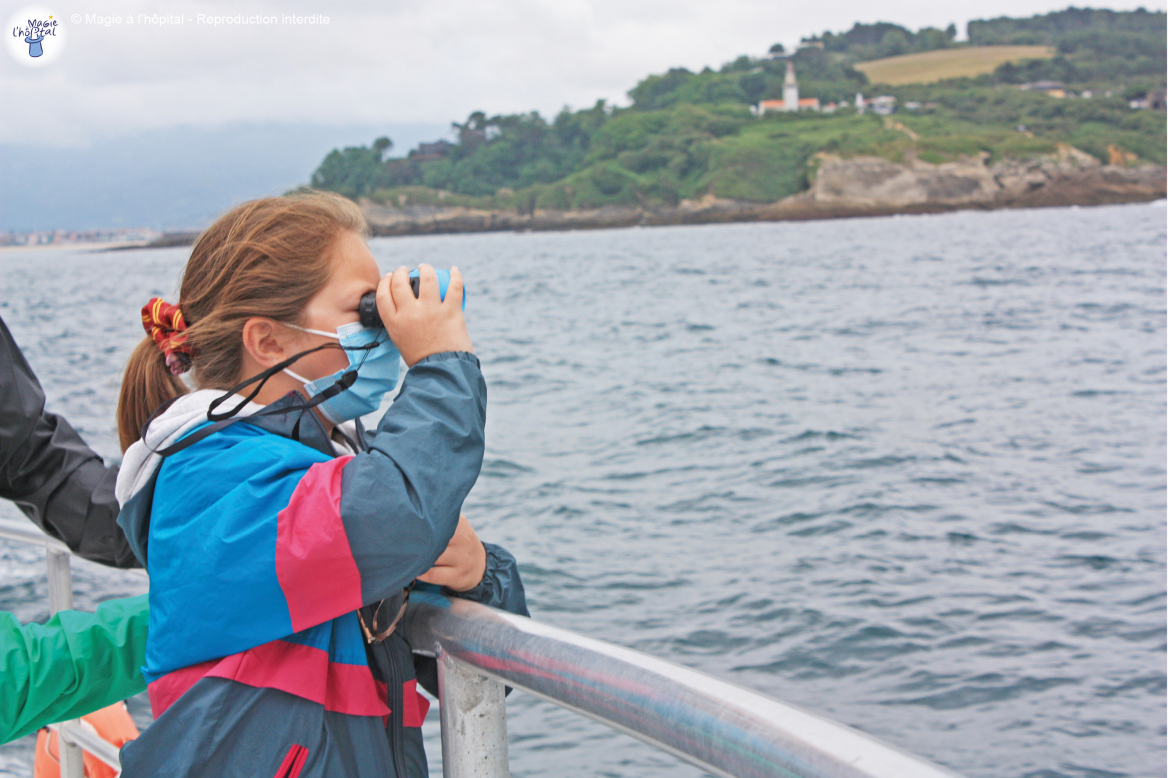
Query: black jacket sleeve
{"type": "Point", "coordinates": [49, 472]}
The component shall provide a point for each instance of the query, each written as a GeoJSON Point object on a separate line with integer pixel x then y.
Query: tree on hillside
{"type": "Point", "coordinates": [1091, 44]}
{"type": "Point", "coordinates": [382, 146]}
{"type": "Point", "coordinates": [650, 92]}
{"type": "Point", "coordinates": [352, 171]}
{"type": "Point", "coordinates": [1050, 29]}
{"type": "Point", "coordinates": [865, 42]}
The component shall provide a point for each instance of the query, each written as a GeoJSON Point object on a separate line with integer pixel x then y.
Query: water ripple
{"type": "Point", "coordinates": [908, 473]}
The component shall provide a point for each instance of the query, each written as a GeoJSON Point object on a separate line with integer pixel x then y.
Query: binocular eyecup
{"type": "Point", "coordinates": [368, 305]}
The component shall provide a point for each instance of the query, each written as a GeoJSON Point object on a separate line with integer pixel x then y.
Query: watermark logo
{"type": "Point", "coordinates": [35, 36]}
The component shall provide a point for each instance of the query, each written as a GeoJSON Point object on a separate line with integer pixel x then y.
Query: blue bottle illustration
{"type": "Point", "coordinates": [34, 45]}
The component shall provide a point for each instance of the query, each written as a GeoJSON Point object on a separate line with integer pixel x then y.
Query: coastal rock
{"type": "Point", "coordinates": [1072, 177]}
{"type": "Point", "coordinates": [1069, 176]}
{"type": "Point", "coordinates": [877, 182]}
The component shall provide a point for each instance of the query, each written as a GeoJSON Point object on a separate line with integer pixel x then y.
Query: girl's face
{"type": "Point", "coordinates": [355, 272]}
{"type": "Point", "coordinates": [266, 343]}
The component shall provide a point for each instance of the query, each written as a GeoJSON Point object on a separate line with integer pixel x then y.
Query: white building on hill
{"type": "Point", "coordinates": [791, 89]}
{"type": "Point", "coordinates": [792, 100]}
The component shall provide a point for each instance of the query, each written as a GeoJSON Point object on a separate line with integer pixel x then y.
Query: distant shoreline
{"type": "Point", "coordinates": [719, 212]}
{"type": "Point", "coordinates": [843, 189]}
{"type": "Point", "coordinates": [106, 246]}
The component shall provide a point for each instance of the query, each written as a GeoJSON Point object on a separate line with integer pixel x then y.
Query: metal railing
{"type": "Point", "coordinates": [723, 728]}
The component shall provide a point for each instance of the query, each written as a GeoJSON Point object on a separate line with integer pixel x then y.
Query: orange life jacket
{"type": "Point", "coordinates": [113, 724]}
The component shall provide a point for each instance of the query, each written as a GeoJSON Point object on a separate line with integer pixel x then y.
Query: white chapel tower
{"type": "Point", "coordinates": [791, 90]}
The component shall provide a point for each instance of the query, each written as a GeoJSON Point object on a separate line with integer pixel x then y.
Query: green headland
{"type": "Point", "coordinates": [1080, 82]}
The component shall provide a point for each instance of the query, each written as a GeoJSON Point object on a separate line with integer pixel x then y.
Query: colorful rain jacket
{"type": "Point", "coordinates": [262, 541]}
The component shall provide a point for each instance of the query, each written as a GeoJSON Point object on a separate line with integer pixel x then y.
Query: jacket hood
{"type": "Point", "coordinates": [140, 462]}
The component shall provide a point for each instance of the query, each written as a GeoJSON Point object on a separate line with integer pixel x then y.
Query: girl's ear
{"type": "Point", "coordinates": [265, 342]}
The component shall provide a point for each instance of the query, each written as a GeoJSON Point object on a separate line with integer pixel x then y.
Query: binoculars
{"type": "Point", "coordinates": [368, 305]}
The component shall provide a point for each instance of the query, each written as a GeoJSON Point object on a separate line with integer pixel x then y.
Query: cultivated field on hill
{"type": "Point", "coordinates": [929, 66]}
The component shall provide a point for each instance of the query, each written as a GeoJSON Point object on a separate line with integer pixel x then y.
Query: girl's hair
{"type": "Point", "coordinates": [265, 257]}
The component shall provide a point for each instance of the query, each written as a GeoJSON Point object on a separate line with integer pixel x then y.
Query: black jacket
{"type": "Point", "coordinates": [49, 472]}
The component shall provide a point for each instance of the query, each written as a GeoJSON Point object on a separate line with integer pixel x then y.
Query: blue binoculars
{"type": "Point", "coordinates": [368, 306]}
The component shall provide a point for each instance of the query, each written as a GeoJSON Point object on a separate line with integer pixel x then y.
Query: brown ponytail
{"type": "Point", "coordinates": [148, 383]}
{"type": "Point", "coordinates": [265, 257]}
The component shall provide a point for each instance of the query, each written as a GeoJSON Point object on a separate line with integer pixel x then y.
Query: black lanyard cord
{"type": "Point", "coordinates": [347, 379]}
{"type": "Point", "coordinates": [229, 417]}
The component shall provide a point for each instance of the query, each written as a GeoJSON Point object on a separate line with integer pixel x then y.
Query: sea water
{"type": "Point", "coordinates": [908, 473]}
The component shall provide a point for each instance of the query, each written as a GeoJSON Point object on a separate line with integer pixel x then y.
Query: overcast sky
{"type": "Point", "coordinates": [399, 62]}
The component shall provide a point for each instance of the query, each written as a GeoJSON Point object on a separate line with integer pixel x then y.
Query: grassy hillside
{"type": "Point", "coordinates": [648, 159]}
{"type": "Point", "coordinates": [930, 66]}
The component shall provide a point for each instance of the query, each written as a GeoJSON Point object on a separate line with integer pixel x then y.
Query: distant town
{"type": "Point", "coordinates": [73, 237]}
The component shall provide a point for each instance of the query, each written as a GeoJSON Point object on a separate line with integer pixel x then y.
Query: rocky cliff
{"type": "Point", "coordinates": [1068, 177]}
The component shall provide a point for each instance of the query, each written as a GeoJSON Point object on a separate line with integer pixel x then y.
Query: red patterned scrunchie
{"type": "Point", "coordinates": [164, 324]}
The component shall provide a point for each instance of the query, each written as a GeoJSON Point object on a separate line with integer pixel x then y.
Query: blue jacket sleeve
{"type": "Point", "coordinates": [400, 499]}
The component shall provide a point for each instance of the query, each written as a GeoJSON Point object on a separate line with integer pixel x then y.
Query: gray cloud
{"type": "Point", "coordinates": [402, 61]}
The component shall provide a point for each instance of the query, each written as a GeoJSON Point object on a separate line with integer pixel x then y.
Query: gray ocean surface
{"type": "Point", "coordinates": [908, 473]}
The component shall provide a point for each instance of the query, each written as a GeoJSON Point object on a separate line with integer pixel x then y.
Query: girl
{"type": "Point", "coordinates": [280, 537]}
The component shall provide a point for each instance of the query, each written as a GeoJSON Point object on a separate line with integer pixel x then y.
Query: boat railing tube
{"type": "Point", "coordinates": [718, 726]}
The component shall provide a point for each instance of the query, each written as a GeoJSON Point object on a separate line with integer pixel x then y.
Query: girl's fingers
{"type": "Point", "coordinates": [451, 577]}
{"type": "Point", "coordinates": [400, 287]}
{"type": "Point", "coordinates": [428, 283]}
{"type": "Point", "coordinates": [386, 307]}
{"type": "Point", "coordinates": [455, 289]}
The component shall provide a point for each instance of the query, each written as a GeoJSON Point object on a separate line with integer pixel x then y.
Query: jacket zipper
{"type": "Point", "coordinates": [293, 762]}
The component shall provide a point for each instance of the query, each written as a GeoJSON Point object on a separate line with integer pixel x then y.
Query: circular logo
{"type": "Point", "coordinates": [35, 36]}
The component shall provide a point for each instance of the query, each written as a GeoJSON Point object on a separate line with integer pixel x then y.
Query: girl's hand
{"type": "Point", "coordinates": [462, 565]}
{"type": "Point", "coordinates": [426, 325]}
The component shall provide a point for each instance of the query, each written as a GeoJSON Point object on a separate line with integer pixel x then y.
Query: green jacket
{"type": "Point", "coordinates": [73, 664]}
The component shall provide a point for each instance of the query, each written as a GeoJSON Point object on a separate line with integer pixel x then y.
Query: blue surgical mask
{"type": "Point", "coordinates": [377, 372]}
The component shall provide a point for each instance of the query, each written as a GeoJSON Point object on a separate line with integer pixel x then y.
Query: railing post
{"type": "Point", "coordinates": [474, 723]}
{"type": "Point", "coordinates": [60, 581]}
{"type": "Point", "coordinates": [61, 598]}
